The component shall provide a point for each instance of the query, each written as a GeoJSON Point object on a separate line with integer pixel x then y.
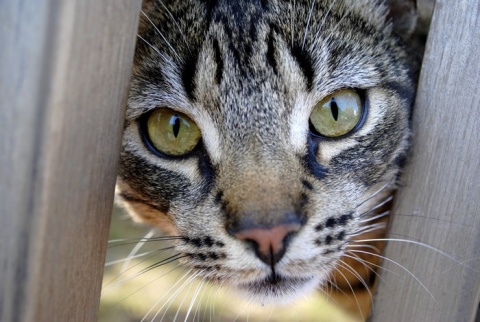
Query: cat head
{"type": "Point", "coordinates": [262, 133]}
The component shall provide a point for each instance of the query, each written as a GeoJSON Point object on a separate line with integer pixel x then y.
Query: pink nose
{"type": "Point", "coordinates": [269, 242]}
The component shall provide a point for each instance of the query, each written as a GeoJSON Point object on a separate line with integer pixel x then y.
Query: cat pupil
{"type": "Point", "coordinates": [334, 109]}
{"type": "Point", "coordinates": [176, 125]}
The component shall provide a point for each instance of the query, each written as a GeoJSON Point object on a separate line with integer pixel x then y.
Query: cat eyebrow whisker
{"type": "Point", "coordinates": [161, 35]}
{"type": "Point", "coordinates": [308, 23]}
{"type": "Point", "coordinates": [154, 48]}
{"type": "Point", "coordinates": [323, 21]}
{"type": "Point", "coordinates": [291, 21]}
{"type": "Point", "coordinates": [176, 24]}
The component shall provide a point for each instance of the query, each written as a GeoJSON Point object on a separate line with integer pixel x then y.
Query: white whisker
{"type": "Point", "coordinates": [194, 298]}
{"type": "Point", "coordinates": [118, 261]}
{"type": "Point", "coordinates": [166, 293]}
{"type": "Point", "coordinates": [163, 37]}
{"type": "Point", "coordinates": [154, 48]}
{"type": "Point", "coordinates": [376, 193]}
{"type": "Point", "coordinates": [353, 293]}
{"type": "Point", "coordinates": [401, 266]}
{"type": "Point", "coordinates": [383, 214]}
{"type": "Point", "coordinates": [176, 24]}
{"type": "Point", "coordinates": [415, 242]}
{"type": "Point", "coordinates": [359, 278]}
{"type": "Point", "coordinates": [323, 20]}
{"type": "Point", "coordinates": [135, 249]}
{"type": "Point", "coordinates": [308, 24]}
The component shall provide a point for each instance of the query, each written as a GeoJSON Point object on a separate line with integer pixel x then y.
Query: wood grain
{"type": "Point", "coordinates": [64, 74]}
{"type": "Point", "coordinates": [439, 205]}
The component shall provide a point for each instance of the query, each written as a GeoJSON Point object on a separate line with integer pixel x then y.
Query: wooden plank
{"type": "Point", "coordinates": [439, 204]}
{"type": "Point", "coordinates": [64, 74]}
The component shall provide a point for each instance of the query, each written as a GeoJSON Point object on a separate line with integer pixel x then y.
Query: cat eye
{"type": "Point", "coordinates": [337, 114]}
{"type": "Point", "coordinates": [171, 132]}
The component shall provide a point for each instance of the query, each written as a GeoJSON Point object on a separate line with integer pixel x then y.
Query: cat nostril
{"type": "Point", "coordinates": [269, 242]}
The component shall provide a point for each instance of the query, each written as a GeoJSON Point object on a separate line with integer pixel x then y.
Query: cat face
{"type": "Point", "coordinates": [271, 192]}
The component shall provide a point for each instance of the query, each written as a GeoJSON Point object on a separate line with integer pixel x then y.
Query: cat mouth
{"type": "Point", "coordinates": [277, 289]}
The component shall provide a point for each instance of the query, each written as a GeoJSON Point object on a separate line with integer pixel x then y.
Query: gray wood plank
{"type": "Point", "coordinates": [439, 205]}
{"type": "Point", "coordinates": [64, 74]}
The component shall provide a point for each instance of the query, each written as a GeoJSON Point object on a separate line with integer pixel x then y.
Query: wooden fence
{"type": "Point", "coordinates": [64, 71]}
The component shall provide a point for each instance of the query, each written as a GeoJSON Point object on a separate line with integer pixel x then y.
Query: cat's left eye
{"type": "Point", "coordinates": [337, 114]}
{"type": "Point", "coordinates": [172, 133]}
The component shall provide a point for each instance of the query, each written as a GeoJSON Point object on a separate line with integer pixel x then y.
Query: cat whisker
{"type": "Point", "coordinates": [292, 28]}
{"type": "Point", "coordinates": [323, 21]}
{"type": "Point", "coordinates": [376, 193]}
{"type": "Point", "coordinates": [359, 278]}
{"type": "Point", "coordinates": [381, 215]}
{"type": "Point", "coordinates": [365, 262]}
{"type": "Point", "coordinates": [353, 293]}
{"type": "Point", "coordinates": [419, 243]}
{"type": "Point", "coordinates": [138, 290]}
{"type": "Point", "coordinates": [135, 249]}
{"type": "Point", "coordinates": [136, 240]}
{"type": "Point", "coordinates": [176, 24]}
{"type": "Point", "coordinates": [366, 246]}
{"type": "Point", "coordinates": [308, 24]}
{"type": "Point", "coordinates": [194, 298]}
{"type": "Point", "coordinates": [161, 35]}
{"type": "Point", "coordinates": [369, 229]}
{"type": "Point", "coordinates": [109, 286]}
{"type": "Point", "coordinates": [154, 49]}
{"type": "Point", "coordinates": [377, 206]}
{"type": "Point", "coordinates": [401, 266]}
{"type": "Point", "coordinates": [165, 294]}
{"type": "Point", "coordinates": [198, 308]}
{"type": "Point", "coordinates": [418, 216]}
{"type": "Point", "coordinates": [118, 261]}
{"type": "Point", "coordinates": [172, 297]}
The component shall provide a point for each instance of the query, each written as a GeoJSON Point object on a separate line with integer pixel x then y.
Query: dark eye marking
{"type": "Point", "coordinates": [305, 63]}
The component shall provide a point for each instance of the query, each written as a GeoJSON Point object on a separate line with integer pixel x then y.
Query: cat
{"type": "Point", "coordinates": [265, 137]}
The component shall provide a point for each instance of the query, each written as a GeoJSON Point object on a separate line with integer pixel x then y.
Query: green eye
{"type": "Point", "coordinates": [171, 132]}
{"type": "Point", "coordinates": [337, 114]}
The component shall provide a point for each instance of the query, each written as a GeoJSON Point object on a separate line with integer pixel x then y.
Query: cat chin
{"type": "Point", "coordinates": [284, 291]}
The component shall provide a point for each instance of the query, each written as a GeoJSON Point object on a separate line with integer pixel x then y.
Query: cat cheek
{"type": "Point", "coordinates": [144, 214]}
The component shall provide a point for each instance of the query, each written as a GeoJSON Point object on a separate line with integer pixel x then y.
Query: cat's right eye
{"type": "Point", "coordinates": [337, 114]}
{"type": "Point", "coordinates": [172, 133]}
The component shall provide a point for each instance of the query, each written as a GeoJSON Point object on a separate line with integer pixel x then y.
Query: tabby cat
{"type": "Point", "coordinates": [266, 136]}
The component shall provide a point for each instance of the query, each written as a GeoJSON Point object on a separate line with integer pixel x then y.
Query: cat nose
{"type": "Point", "coordinates": [270, 243]}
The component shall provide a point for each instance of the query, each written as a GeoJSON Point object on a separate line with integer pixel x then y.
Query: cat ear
{"type": "Point", "coordinates": [403, 14]}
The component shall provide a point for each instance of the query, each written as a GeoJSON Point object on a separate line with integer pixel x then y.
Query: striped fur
{"type": "Point", "coordinates": [249, 74]}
